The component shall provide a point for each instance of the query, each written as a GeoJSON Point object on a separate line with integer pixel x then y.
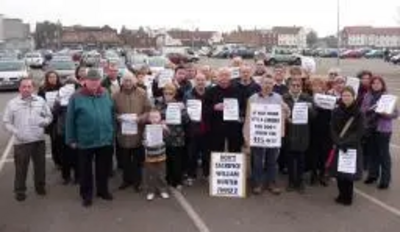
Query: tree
{"type": "Point", "coordinates": [330, 41]}
{"type": "Point", "coordinates": [312, 38]}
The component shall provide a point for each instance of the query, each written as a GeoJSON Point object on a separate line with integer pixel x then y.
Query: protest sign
{"type": "Point", "coordinates": [231, 109]}
{"type": "Point", "coordinates": [324, 101]}
{"type": "Point", "coordinates": [154, 135]}
{"type": "Point", "coordinates": [235, 72]}
{"type": "Point", "coordinates": [129, 125]}
{"type": "Point", "coordinates": [300, 113]}
{"type": "Point", "coordinates": [386, 104]}
{"type": "Point", "coordinates": [51, 98]}
{"type": "Point", "coordinates": [228, 175]}
{"type": "Point", "coordinates": [173, 114]}
{"type": "Point", "coordinates": [347, 162]}
{"type": "Point", "coordinates": [194, 109]}
{"type": "Point", "coordinates": [165, 77]}
{"type": "Point", "coordinates": [353, 82]}
{"type": "Point", "coordinates": [65, 93]}
{"type": "Point", "coordinates": [265, 125]}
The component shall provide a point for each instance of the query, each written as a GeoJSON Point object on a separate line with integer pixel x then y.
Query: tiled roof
{"type": "Point", "coordinates": [286, 30]}
{"type": "Point", "coordinates": [368, 30]}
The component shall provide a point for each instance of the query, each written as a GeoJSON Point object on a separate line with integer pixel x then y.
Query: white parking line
{"type": "Point", "coordinates": [380, 203]}
{"type": "Point", "coordinates": [6, 152]}
{"type": "Point", "coordinates": [199, 223]}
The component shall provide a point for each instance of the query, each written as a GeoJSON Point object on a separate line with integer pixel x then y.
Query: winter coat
{"type": "Point", "coordinates": [195, 129]}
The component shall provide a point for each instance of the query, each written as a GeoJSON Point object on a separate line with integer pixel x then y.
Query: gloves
{"type": "Point", "coordinates": [342, 147]}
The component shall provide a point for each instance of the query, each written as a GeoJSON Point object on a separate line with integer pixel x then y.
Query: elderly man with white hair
{"type": "Point", "coordinates": [131, 107]}
{"type": "Point", "coordinates": [222, 104]}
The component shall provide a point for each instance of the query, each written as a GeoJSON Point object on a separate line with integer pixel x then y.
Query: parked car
{"type": "Point", "coordinates": [282, 56]}
{"type": "Point", "coordinates": [328, 53]}
{"type": "Point", "coordinates": [374, 54]}
{"type": "Point", "coordinates": [179, 58]}
{"type": "Point", "coordinates": [137, 61]}
{"type": "Point", "coordinates": [157, 63]}
{"type": "Point", "coordinates": [244, 52]}
{"type": "Point", "coordinates": [34, 59]}
{"type": "Point", "coordinates": [11, 72]}
{"type": "Point", "coordinates": [351, 54]}
{"type": "Point", "coordinates": [64, 68]}
{"type": "Point", "coordinates": [395, 59]}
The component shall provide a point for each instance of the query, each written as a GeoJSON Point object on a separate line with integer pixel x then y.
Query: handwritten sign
{"type": "Point", "coordinates": [51, 98]}
{"type": "Point", "coordinates": [235, 72]}
{"type": "Point", "coordinates": [324, 101]}
{"type": "Point", "coordinates": [228, 175]}
{"type": "Point", "coordinates": [347, 162]}
{"type": "Point", "coordinates": [154, 135]}
{"type": "Point", "coordinates": [65, 93]}
{"type": "Point", "coordinates": [354, 83]}
{"type": "Point", "coordinates": [231, 109]}
{"type": "Point", "coordinates": [386, 104]}
{"type": "Point", "coordinates": [300, 113]}
{"type": "Point", "coordinates": [165, 77]}
{"type": "Point", "coordinates": [129, 125]}
{"type": "Point", "coordinates": [265, 125]}
{"type": "Point", "coordinates": [173, 114]}
{"type": "Point", "coordinates": [194, 107]}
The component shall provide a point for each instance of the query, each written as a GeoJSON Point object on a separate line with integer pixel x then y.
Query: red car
{"type": "Point", "coordinates": [351, 54]}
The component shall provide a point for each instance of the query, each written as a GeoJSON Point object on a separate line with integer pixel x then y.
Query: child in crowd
{"type": "Point", "coordinates": [155, 162]}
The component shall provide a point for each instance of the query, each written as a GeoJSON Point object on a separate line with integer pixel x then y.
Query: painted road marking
{"type": "Point", "coordinates": [199, 223]}
{"type": "Point", "coordinates": [380, 203]}
{"type": "Point", "coordinates": [6, 152]}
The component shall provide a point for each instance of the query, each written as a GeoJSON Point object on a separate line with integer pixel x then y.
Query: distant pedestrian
{"type": "Point", "coordinates": [25, 117]}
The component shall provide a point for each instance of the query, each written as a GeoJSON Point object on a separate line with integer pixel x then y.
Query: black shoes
{"type": "Point", "coordinates": [124, 186]}
{"type": "Point", "coordinates": [346, 202]}
{"type": "Point", "coordinates": [87, 203]}
{"type": "Point", "coordinates": [41, 192]}
{"type": "Point", "coordinates": [20, 197]}
{"type": "Point", "coordinates": [370, 180]}
{"type": "Point", "coordinates": [383, 186]}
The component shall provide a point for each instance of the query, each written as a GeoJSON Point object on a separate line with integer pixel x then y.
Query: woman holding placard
{"type": "Point", "coordinates": [297, 133]}
{"type": "Point", "coordinates": [49, 92]}
{"type": "Point", "coordinates": [380, 110]}
{"type": "Point", "coordinates": [175, 117]}
{"type": "Point", "coordinates": [347, 128]}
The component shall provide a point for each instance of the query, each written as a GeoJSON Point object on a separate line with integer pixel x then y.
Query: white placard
{"type": "Point", "coordinates": [353, 82]}
{"type": "Point", "coordinates": [154, 135]}
{"type": "Point", "coordinates": [324, 101]}
{"type": "Point", "coordinates": [194, 107]}
{"type": "Point", "coordinates": [386, 104]}
{"type": "Point", "coordinates": [231, 109]}
{"type": "Point", "coordinates": [65, 93]}
{"type": "Point", "coordinates": [258, 79]}
{"type": "Point", "coordinates": [300, 113]}
{"type": "Point", "coordinates": [173, 114]}
{"type": "Point", "coordinates": [228, 175]}
{"type": "Point", "coordinates": [129, 125]}
{"type": "Point", "coordinates": [265, 125]}
{"type": "Point", "coordinates": [347, 161]}
{"type": "Point", "coordinates": [235, 72]}
{"type": "Point", "coordinates": [51, 98]}
{"type": "Point", "coordinates": [165, 77]}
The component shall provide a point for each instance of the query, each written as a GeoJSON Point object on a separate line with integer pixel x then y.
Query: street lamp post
{"type": "Point", "coordinates": [338, 32]}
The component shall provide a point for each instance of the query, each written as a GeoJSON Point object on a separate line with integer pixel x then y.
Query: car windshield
{"type": "Point", "coordinates": [11, 66]}
{"type": "Point", "coordinates": [157, 62]}
{"type": "Point", "coordinates": [62, 66]}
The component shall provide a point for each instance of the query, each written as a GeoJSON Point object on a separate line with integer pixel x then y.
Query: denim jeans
{"type": "Point", "coordinates": [264, 165]}
{"type": "Point", "coordinates": [380, 161]}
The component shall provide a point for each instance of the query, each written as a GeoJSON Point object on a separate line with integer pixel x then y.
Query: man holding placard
{"type": "Point", "coordinates": [179, 79]}
{"type": "Point", "coordinates": [131, 108]}
{"type": "Point", "coordinates": [197, 129]}
{"type": "Point", "coordinates": [222, 106]}
{"type": "Point", "coordinates": [297, 133]}
{"type": "Point", "coordinates": [263, 131]}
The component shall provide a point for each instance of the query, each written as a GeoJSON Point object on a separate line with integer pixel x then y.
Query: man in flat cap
{"type": "Point", "coordinates": [90, 129]}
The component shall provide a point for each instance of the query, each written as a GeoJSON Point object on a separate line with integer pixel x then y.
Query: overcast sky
{"type": "Point", "coordinates": [207, 14]}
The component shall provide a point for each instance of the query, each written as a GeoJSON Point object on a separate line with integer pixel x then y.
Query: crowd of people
{"type": "Point", "coordinates": [111, 123]}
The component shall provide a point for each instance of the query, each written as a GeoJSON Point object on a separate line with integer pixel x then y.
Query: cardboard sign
{"type": "Point", "coordinates": [347, 162]}
{"type": "Point", "coordinates": [353, 82]}
{"type": "Point", "coordinates": [173, 114]}
{"type": "Point", "coordinates": [265, 125]}
{"type": "Point", "coordinates": [231, 109]}
{"type": "Point", "coordinates": [386, 104]}
{"type": "Point", "coordinates": [129, 125]}
{"type": "Point", "coordinates": [154, 135]}
{"type": "Point", "coordinates": [324, 101]}
{"type": "Point", "coordinates": [228, 175]}
{"type": "Point", "coordinates": [194, 109]}
{"type": "Point", "coordinates": [300, 113]}
{"type": "Point", "coordinates": [165, 77]}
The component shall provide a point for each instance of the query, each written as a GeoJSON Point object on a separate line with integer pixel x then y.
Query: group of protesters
{"type": "Point", "coordinates": [104, 120]}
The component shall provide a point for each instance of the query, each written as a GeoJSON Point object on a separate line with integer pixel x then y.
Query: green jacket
{"type": "Point", "coordinates": [90, 120]}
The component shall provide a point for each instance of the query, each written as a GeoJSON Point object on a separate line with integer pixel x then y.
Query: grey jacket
{"type": "Point", "coordinates": [27, 118]}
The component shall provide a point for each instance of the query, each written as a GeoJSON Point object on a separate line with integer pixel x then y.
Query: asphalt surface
{"type": "Point", "coordinates": [315, 211]}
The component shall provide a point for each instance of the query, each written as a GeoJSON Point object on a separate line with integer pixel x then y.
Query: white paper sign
{"type": "Point", "coordinates": [265, 125]}
{"type": "Point", "coordinates": [235, 72]}
{"type": "Point", "coordinates": [228, 175]}
{"type": "Point", "coordinates": [231, 109]}
{"type": "Point", "coordinates": [65, 93]}
{"type": "Point", "coordinates": [51, 98]}
{"type": "Point", "coordinates": [173, 114]}
{"type": "Point", "coordinates": [165, 77]}
{"type": "Point", "coordinates": [347, 162]}
{"type": "Point", "coordinates": [300, 113]}
{"type": "Point", "coordinates": [129, 125]}
{"type": "Point", "coordinates": [257, 79]}
{"type": "Point", "coordinates": [154, 135]}
{"type": "Point", "coordinates": [386, 104]}
{"type": "Point", "coordinates": [353, 82]}
{"type": "Point", "coordinates": [194, 109]}
{"type": "Point", "coordinates": [324, 101]}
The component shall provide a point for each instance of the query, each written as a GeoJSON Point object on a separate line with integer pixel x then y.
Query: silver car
{"type": "Point", "coordinates": [64, 68]}
{"type": "Point", "coordinates": [11, 73]}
